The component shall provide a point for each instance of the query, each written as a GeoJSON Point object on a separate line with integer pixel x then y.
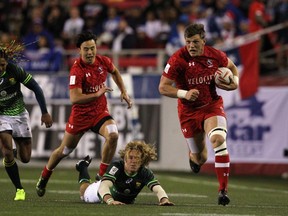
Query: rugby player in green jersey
{"type": "Point", "coordinates": [124, 179]}
{"type": "Point", "coordinates": [14, 118]}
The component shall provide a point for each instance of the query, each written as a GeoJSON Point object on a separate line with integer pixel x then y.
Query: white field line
{"type": "Point", "coordinates": [175, 179]}
{"type": "Point", "coordinates": [178, 180]}
{"type": "Point", "coordinates": [209, 183]}
{"type": "Point", "coordinates": [186, 214]}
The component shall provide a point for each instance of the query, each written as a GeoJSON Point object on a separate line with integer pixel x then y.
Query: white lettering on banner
{"type": "Point", "coordinates": [40, 148]}
{"type": "Point", "coordinates": [35, 116]}
{"type": "Point", "coordinates": [58, 124]}
{"type": "Point", "coordinates": [127, 79]}
{"type": "Point", "coordinates": [44, 82]}
{"type": "Point", "coordinates": [86, 146]}
{"type": "Point", "coordinates": [119, 114]}
{"type": "Point", "coordinates": [246, 150]}
{"type": "Point", "coordinates": [45, 140]}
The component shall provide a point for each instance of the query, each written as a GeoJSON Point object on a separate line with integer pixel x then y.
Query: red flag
{"type": "Point", "coordinates": [249, 78]}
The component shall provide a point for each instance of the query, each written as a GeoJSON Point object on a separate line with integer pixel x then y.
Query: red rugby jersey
{"type": "Point", "coordinates": [90, 78]}
{"type": "Point", "coordinates": [196, 73]}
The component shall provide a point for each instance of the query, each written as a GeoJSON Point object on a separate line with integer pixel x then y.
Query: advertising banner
{"type": "Point", "coordinates": [140, 122]}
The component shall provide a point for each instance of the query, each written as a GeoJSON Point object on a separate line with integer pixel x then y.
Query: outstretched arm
{"type": "Point", "coordinates": [116, 76]}
{"type": "Point", "coordinates": [34, 86]}
{"type": "Point", "coordinates": [104, 193]}
{"type": "Point", "coordinates": [162, 196]}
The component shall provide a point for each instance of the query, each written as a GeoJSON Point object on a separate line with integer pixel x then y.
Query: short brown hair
{"type": "Point", "coordinates": [194, 29]}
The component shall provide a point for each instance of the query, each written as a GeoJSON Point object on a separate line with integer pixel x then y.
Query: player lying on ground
{"type": "Point", "coordinates": [124, 179]}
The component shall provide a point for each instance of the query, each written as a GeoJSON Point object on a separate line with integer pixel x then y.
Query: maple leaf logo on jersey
{"type": "Point", "coordinates": [209, 63]}
{"type": "Point", "coordinates": [100, 69]}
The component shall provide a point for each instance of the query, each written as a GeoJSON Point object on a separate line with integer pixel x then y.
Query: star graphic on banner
{"type": "Point", "coordinates": [252, 104]}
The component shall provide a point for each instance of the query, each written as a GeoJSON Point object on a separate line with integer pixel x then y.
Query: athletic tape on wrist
{"type": "Point", "coordinates": [181, 93]}
{"type": "Point", "coordinates": [109, 201]}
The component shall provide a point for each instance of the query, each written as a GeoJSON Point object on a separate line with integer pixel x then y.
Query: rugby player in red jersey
{"type": "Point", "coordinates": [89, 106]}
{"type": "Point", "coordinates": [200, 108]}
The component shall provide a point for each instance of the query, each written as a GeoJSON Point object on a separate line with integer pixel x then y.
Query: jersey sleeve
{"type": "Point", "coordinates": [151, 181]}
{"type": "Point", "coordinates": [223, 59]}
{"type": "Point", "coordinates": [171, 68]}
{"type": "Point", "coordinates": [112, 172]}
{"type": "Point", "coordinates": [108, 62]}
{"type": "Point", "coordinates": [22, 75]}
{"type": "Point", "coordinates": [75, 77]}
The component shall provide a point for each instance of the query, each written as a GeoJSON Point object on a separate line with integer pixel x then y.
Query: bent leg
{"type": "Point", "coordinates": [110, 132]}
{"type": "Point", "coordinates": [24, 148]}
{"type": "Point", "coordinates": [68, 144]}
{"type": "Point", "coordinates": [9, 162]}
{"type": "Point", "coordinates": [91, 193]}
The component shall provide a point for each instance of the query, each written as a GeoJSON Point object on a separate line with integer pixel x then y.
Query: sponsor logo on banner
{"type": "Point", "coordinates": [255, 127]}
{"type": "Point", "coordinates": [140, 122]}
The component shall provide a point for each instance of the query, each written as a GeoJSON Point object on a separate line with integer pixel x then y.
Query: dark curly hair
{"type": "Point", "coordinates": [12, 52]}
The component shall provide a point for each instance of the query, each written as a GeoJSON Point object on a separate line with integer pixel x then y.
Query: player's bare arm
{"type": "Point", "coordinates": [166, 87]}
{"type": "Point", "coordinates": [116, 76]}
{"type": "Point", "coordinates": [77, 96]}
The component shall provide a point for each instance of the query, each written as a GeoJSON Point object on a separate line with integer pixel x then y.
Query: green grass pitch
{"type": "Point", "coordinates": [193, 195]}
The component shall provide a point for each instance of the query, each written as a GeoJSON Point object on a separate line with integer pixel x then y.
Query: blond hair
{"type": "Point", "coordinates": [148, 151]}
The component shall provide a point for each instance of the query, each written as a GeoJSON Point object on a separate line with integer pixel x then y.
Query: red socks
{"type": "Point", "coordinates": [103, 168]}
{"type": "Point", "coordinates": [222, 168]}
{"type": "Point", "coordinates": [46, 173]}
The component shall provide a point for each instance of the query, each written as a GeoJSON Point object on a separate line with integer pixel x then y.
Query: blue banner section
{"type": "Point", "coordinates": [138, 86]}
{"type": "Point", "coordinates": [146, 86]}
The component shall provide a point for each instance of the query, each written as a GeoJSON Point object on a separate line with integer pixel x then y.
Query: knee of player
{"type": "Point", "coordinates": [217, 136]}
{"type": "Point", "coordinates": [65, 151]}
{"type": "Point", "coordinates": [217, 140]}
{"type": "Point", "coordinates": [112, 137]}
{"type": "Point", "coordinates": [25, 160]}
{"type": "Point", "coordinates": [112, 132]}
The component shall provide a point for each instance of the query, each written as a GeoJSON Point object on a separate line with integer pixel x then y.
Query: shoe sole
{"type": "Point", "coordinates": [194, 167]}
{"type": "Point", "coordinates": [40, 192]}
{"type": "Point", "coordinates": [223, 201]}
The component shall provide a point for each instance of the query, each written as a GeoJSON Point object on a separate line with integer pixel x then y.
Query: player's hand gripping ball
{"type": "Point", "coordinates": [222, 75]}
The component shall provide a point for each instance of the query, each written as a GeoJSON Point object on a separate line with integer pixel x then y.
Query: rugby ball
{"type": "Point", "coordinates": [222, 75]}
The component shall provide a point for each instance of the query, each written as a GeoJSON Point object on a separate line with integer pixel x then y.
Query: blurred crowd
{"type": "Point", "coordinates": [48, 27]}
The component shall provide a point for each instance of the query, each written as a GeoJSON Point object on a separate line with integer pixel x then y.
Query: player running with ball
{"type": "Point", "coordinates": [200, 109]}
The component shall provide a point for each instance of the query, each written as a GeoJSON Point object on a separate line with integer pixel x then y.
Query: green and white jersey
{"type": "Point", "coordinates": [11, 97]}
{"type": "Point", "coordinates": [126, 188]}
